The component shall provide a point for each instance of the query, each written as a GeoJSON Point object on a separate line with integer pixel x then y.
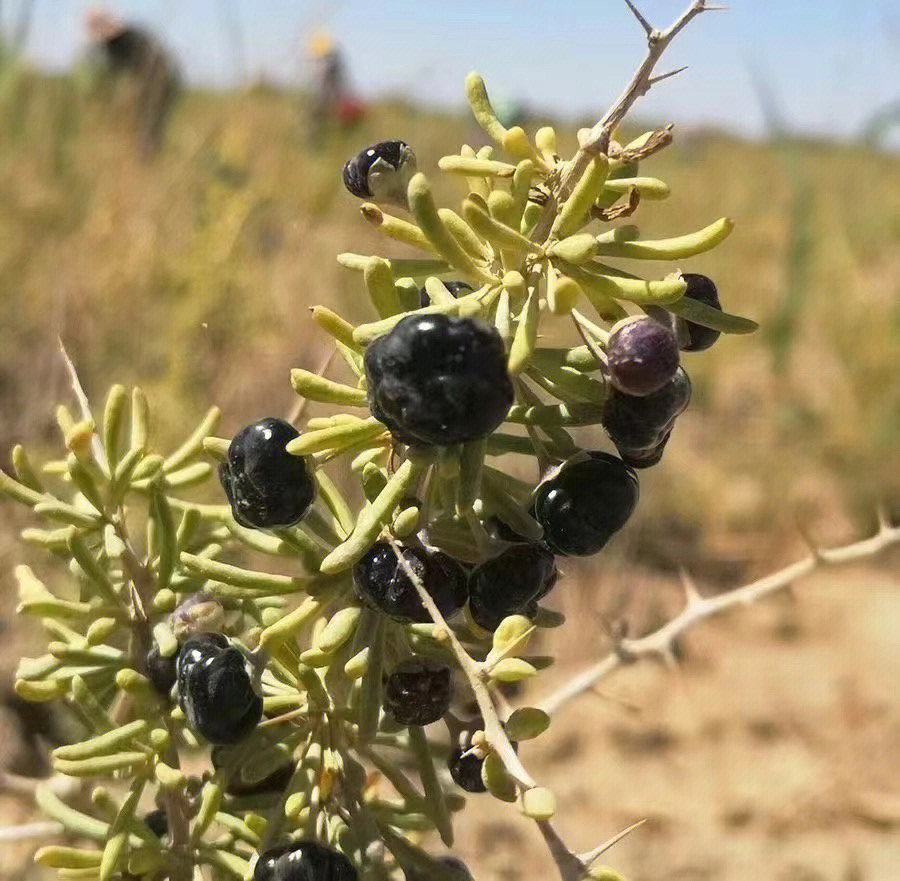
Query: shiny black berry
{"type": "Point", "coordinates": [382, 583]}
{"type": "Point", "coordinates": [437, 379]}
{"type": "Point", "coordinates": [418, 692]}
{"type": "Point", "coordinates": [160, 669]}
{"type": "Point", "coordinates": [381, 172]}
{"type": "Point", "coordinates": [455, 287]}
{"type": "Point", "coordinates": [303, 861]}
{"type": "Point", "coordinates": [640, 426]}
{"type": "Point", "coordinates": [214, 689]}
{"type": "Point", "coordinates": [584, 503]}
{"type": "Point", "coordinates": [508, 583]}
{"type": "Point", "coordinates": [642, 356]}
{"type": "Point", "coordinates": [465, 769]}
{"type": "Point", "coordinates": [695, 337]}
{"type": "Point", "coordinates": [157, 823]}
{"type": "Point", "coordinates": [265, 485]}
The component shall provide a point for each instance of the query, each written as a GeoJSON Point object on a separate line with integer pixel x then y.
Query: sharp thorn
{"type": "Point", "coordinates": [664, 76]}
{"type": "Point", "coordinates": [668, 657]}
{"type": "Point", "coordinates": [805, 537]}
{"type": "Point", "coordinates": [592, 856]}
{"type": "Point", "coordinates": [691, 594]}
{"type": "Point", "coordinates": [641, 20]}
{"type": "Point", "coordinates": [884, 521]}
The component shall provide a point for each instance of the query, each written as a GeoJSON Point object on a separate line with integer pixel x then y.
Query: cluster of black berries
{"type": "Point", "coordinates": [649, 388]}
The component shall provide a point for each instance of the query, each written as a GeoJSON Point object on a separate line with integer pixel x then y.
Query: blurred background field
{"type": "Point", "coordinates": [774, 751]}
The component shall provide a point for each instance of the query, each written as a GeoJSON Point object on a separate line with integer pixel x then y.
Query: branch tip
{"type": "Point", "coordinates": [665, 76]}
{"type": "Point", "coordinates": [648, 28]}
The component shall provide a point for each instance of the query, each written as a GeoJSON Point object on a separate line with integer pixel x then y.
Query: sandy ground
{"type": "Point", "coordinates": [771, 752]}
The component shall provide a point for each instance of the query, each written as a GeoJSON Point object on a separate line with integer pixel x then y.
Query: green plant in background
{"type": "Point", "coordinates": [245, 722]}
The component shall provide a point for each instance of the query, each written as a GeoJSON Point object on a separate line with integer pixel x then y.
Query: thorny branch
{"type": "Point", "coordinates": [572, 866]}
{"type": "Point", "coordinates": [641, 81]}
{"type": "Point", "coordinates": [697, 608]}
{"type": "Point", "coordinates": [474, 673]}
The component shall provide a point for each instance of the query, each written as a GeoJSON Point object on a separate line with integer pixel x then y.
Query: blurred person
{"type": "Point", "coordinates": [134, 52]}
{"type": "Point", "coordinates": [332, 101]}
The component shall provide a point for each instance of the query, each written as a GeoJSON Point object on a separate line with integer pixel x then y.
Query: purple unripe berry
{"type": "Point", "coordinates": [642, 356]}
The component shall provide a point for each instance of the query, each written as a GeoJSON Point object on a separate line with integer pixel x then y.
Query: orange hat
{"type": "Point", "coordinates": [321, 45]}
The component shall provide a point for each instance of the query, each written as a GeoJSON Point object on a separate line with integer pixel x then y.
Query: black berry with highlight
{"type": "Point", "coordinates": [303, 860]}
{"type": "Point", "coordinates": [265, 485]}
{"type": "Point", "coordinates": [584, 503]}
{"type": "Point", "coordinates": [437, 380]}
{"type": "Point", "coordinates": [214, 689]}
{"type": "Point", "coordinates": [508, 583]}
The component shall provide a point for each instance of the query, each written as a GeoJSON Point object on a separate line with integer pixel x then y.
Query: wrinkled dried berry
{"type": "Point", "coordinates": [437, 379]}
{"type": "Point", "coordinates": [640, 426]}
{"type": "Point", "coordinates": [418, 692]}
{"type": "Point", "coordinates": [382, 583]}
{"type": "Point", "coordinates": [381, 172]}
{"type": "Point", "coordinates": [584, 503]}
{"type": "Point", "coordinates": [455, 287]}
{"type": "Point", "coordinates": [265, 485]}
{"type": "Point", "coordinates": [642, 356]}
{"type": "Point", "coordinates": [692, 336]}
{"type": "Point", "coordinates": [160, 669]}
{"type": "Point", "coordinates": [214, 689]}
{"type": "Point", "coordinates": [303, 860]}
{"type": "Point", "coordinates": [508, 583]}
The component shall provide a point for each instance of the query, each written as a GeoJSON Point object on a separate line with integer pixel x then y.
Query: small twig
{"type": "Point", "coordinates": [697, 608]}
{"type": "Point", "coordinates": [598, 139]}
{"type": "Point", "coordinates": [300, 405]}
{"type": "Point", "coordinates": [637, 14]}
{"type": "Point", "coordinates": [84, 406]}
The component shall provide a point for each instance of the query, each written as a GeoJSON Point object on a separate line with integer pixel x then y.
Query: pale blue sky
{"type": "Point", "coordinates": [830, 63]}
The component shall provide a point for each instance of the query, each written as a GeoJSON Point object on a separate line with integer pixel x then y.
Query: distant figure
{"type": "Point", "coordinates": [133, 52]}
{"type": "Point", "coordinates": [331, 99]}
